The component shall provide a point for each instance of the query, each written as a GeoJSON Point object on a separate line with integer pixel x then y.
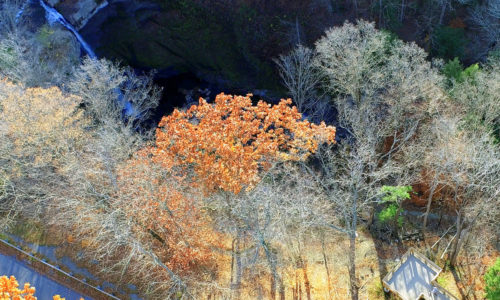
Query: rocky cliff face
{"type": "Point", "coordinates": [231, 43]}
{"type": "Point", "coordinates": [78, 12]}
{"type": "Point", "coordinates": [228, 42]}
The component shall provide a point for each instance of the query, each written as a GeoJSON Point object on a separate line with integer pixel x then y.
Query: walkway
{"type": "Point", "coordinates": [414, 277]}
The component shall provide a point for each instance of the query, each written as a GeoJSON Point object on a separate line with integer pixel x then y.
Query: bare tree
{"type": "Point", "coordinates": [467, 165]}
{"type": "Point", "coordinates": [114, 222]}
{"type": "Point", "coordinates": [299, 76]}
{"type": "Point", "coordinates": [118, 102]}
{"type": "Point", "coordinates": [464, 158]}
{"type": "Point", "coordinates": [9, 10]}
{"type": "Point", "coordinates": [45, 58]}
{"type": "Point", "coordinates": [475, 107]}
{"type": "Point", "coordinates": [114, 94]}
{"type": "Point", "coordinates": [486, 18]}
{"type": "Point", "coordinates": [479, 96]}
{"type": "Point", "coordinates": [274, 219]}
{"type": "Point", "coordinates": [38, 128]}
{"type": "Point", "coordinates": [383, 92]}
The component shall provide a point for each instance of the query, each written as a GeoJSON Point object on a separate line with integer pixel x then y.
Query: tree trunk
{"type": "Point", "coordinates": [456, 242]}
{"type": "Point", "coordinates": [325, 260]}
{"type": "Point", "coordinates": [239, 270]}
{"type": "Point", "coordinates": [271, 258]}
{"type": "Point", "coordinates": [428, 208]}
{"type": "Point", "coordinates": [441, 16]}
{"type": "Point", "coordinates": [273, 287]}
{"type": "Point", "coordinates": [297, 29]}
{"type": "Point", "coordinates": [380, 11]}
{"type": "Point", "coordinates": [352, 266]}
{"type": "Point", "coordinates": [396, 223]}
{"type": "Point", "coordinates": [352, 246]}
{"type": "Point", "coordinates": [402, 15]}
{"type": "Point", "coordinates": [282, 288]}
{"type": "Point", "coordinates": [307, 284]}
{"type": "Point", "coordinates": [300, 290]}
{"type": "Point", "coordinates": [232, 263]}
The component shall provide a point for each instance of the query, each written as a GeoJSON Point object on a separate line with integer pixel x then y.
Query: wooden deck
{"type": "Point", "coordinates": [414, 277]}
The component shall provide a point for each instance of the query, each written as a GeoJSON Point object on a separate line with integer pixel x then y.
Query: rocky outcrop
{"type": "Point", "coordinates": [231, 42]}
{"type": "Point", "coordinates": [78, 12]}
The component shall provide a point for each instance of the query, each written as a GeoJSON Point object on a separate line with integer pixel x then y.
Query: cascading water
{"type": "Point", "coordinates": [21, 11]}
{"type": "Point", "coordinates": [53, 16]}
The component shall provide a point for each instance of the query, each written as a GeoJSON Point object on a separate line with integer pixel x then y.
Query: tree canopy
{"type": "Point", "coordinates": [228, 143]}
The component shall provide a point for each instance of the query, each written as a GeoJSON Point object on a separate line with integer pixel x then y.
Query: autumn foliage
{"type": "Point", "coordinates": [230, 142]}
{"type": "Point", "coordinates": [163, 204]}
{"type": "Point", "coordinates": [40, 122]}
{"type": "Point", "coordinates": [9, 289]}
{"type": "Point", "coordinates": [210, 147]}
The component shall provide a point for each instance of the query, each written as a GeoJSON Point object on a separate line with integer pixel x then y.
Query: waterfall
{"type": "Point", "coordinates": [53, 16]}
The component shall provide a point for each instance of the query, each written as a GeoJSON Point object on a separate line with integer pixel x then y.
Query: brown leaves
{"type": "Point", "coordinates": [225, 146]}
{"type": "Point", "coordinates": [167, 214]}
{"type": "Point", "coordinates": [229, 143]}
{"type": "Point", "coordinates": [40, 123]}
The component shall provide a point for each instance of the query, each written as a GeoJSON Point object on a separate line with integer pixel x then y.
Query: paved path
{"type": "Point", "coordinates": [413, 278]}
{"type": "Point", "coordinates": [45, 287]}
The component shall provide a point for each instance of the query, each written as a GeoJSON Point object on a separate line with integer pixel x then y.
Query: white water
{"type": "Point", "coordinates": [53, 16]}
{"type": "Point", "coordinates": [21, 11]}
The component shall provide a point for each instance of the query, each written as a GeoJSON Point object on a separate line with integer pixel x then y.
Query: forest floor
{"type": "Point", "coordinates": [374, 259]}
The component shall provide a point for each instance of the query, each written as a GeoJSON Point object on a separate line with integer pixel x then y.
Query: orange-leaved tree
{"type": "Point", "coordinates": [228, 145]}
{"type": "Point", "coordinates": [9, 290]}
{"type": "Point", "coordinates": [210, 147]}
{"type": "Point", "coordinates": [164, 205]}
{"type": "Point", "coordinates": [230, 142]}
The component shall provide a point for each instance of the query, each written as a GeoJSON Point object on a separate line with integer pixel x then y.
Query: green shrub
{"type": "Point", "coordinates": [449, 42]}
{"type": "Point", "coordinates": [44, 35]}
{"type": "Point", "coordinates": [396, 193]}
{"type": "Point", "coordinates": [389, 213]}
{"type": "Point", "coordinates": [492, 280]}
{"type": "Point", "coordinates": [453, 70]}
{"type": "Point", "coordinates": [442, 281]}
{"type": "Point", "coordinates": [376, 290]}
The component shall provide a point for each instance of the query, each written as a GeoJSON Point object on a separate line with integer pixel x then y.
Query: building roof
{"type": "Point", "coordinates": [415, 277]}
